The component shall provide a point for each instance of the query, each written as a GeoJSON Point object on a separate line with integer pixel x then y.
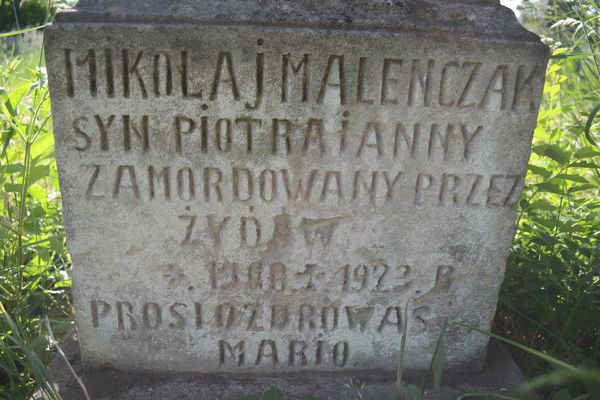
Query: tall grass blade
{"type": "Point", "coordinates": [436, 368]}
{"type": "Point", "coordinates": [21, 31]}
{"type": "Point", "coordinates": [400, 369]}
{"type": "Point", "coordinates": [29, 359]}
{"type": "Point", "coordinates": [588, 125]}
{"type": "Point", "coordinates": [480, 396]}
{"type": "Point", "coordinates": [551, 360]}
{"type": "Point", "coordinates": [62, 354]}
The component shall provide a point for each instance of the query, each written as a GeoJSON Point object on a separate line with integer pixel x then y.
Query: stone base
{"type": "Point", "coordinates": [500, 375]}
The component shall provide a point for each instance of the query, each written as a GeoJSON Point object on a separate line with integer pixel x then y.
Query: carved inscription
{"type": "Point", "coordinates": [281, 216]}
{"type": "Point", "coordinates": [213, 185]}
{"type": "Point", "coordinates": [255, 317]}
{"type": "Point", "coordinates": [305, 78]}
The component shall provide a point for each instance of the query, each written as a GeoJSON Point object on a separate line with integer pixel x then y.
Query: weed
{"type": "Point", "coordinates": [34, 274]}
{"type": "Point", "coordinates": [551, 296]}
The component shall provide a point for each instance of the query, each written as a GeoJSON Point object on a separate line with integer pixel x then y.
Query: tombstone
{"type": "Point", "coordinates": [259, 187]}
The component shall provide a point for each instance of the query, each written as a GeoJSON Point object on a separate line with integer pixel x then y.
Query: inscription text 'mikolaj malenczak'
{"type": "Point", "coordinates": [245, 197]}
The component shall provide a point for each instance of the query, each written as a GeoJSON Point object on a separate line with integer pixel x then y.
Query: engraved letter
{"type": "Point", "coordinates": [132, 181]}
{"type": "Point", "coordinates": [120, 319]}
{"type": "Point", "coordinates": [468, 139]}
{"type": "Point", "coordinates": [129, 128]}
{"type": "Point", "coordinates": [216, 184]}
{"type": "Point", "coordinates": [397, 322]}
{"type": "Point", "coordinates": [186, 192]}
{"type": "Point", "coordinates": [179, 121]}
{"type": "Point", "coordinates": [372, 131]}
{"type": "Point", "coordinates": [314, 130]}
{"type": "Point", "coordinates": [388, 82]}
{"type": "Point", "coordinates": [277, 134]}
{"type": "Point", "coordinates": [89, 193]}
{"type": "Point", "coordinates": [522, 83]}
{"type": "Point", "coordinates": [86, 138]}
{"type": "Point", "coordinates": [95, 315]}
{"type": "Point", "coordinates": [501, 75]}
{"type": "Point", "coordinates": [151, 311]}
{"type": "Point", "coordinates": [359, 317]}
{"type": "Point", "coordinates": [361, 82]}
{"type": "Point", "coordinates": [272, 352]}
{"type": "Point", "coordinates": [249, 123]}
{"type": "Point", "coordinates": [443, 84]}
{"type": "Point", "coordinates": [412, 144]}
{"type": "Point", "coordinates": [424, 82]}
{"type": "Point", "coordinates": [165, 174]}
{"type": "Point", "coordinates": [103, 129]}
{"type": "Point", "coordinates": [260, 62]}
{"type": "Point", "coordinates": [168, 74]}
{"type": "Point", "coordinates": [341, 81]}
{"type": "Point", "coordinates": [249, 184]}
{"type": "Point", "coordinates": [287, 63]}
{"type": "Point", "coordinates": [297, 349]}
{"type": "Point", "coordinates": [340, 354]}
{"type": "Point", "coordinates": [424, 182]}
{"type": "Point", "coordinates": [225, 348]}
{"type": "Point", "coordinates": [229, 76]}
{"type": "Point", "coordinates": [133, 70]}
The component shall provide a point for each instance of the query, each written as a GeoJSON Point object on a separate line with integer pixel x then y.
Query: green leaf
{"type": "Point", "coordinates": [572, 56]}
{"type": "Point", "coordinates": [537, 170]}
{"type": "Point", "coordinates": [13, 187]}
{"type": "Point", "coordinates": [60, 327]}
{"type": "Point", "coordinates": [549, 187]}
{"type": "Point", "coordinates": [56, 244]}
{"type": "Point", "coordinates": [572, 177]}
{"type": "Point", "coordinates": [584, 164]}
{"type": "Point", "coordinates": [586, 152]}
{"type": "Point", "coordinates": [38, 172]}
{"type": "Point", "coordinates": [543, 221]}
{"type": "Point", "coordinates": [40, 344]}
{"type": "Point", "coordinates": [273, 394]}
{"type": "Point", "coordinates": [542, 204]}
{"type": "Point", "coordinates": [552, 151]}
{"type": "Point", "coordinates": [37, 212]}
{"type": "Point", "coordinates": [13, 168]}
{"type": "Point", "coordinates": [63, 284]}
{"type": "Point", "coordinates": [556, 153]}
{"type": "Point", "coordinates": [547, 239]}
{"type": "Point", "coordinates": [38, 192]}
{"type": "Point", "coordinates": [562, 395]}
{"type": "Point", "coordinates": [415, 392]}
{"type": "Point", "coordinates": [579, 188]}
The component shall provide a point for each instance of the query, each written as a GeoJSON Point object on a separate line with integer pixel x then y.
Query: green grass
{"type": "Point", "coordinates": [550, 300]}
{"type": "Point", "coordinates": [34, 272]}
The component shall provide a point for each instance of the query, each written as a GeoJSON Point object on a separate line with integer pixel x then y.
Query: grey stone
{"type": "Point", "coordinates": [500, 375]}
{"type": "Point", "coordinates": [266, 186]}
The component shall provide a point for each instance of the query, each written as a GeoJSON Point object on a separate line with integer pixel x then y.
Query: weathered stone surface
{"type": "Point", "coordinates": [500, 375]}
{"type": "Point", "coordinates": [262, 186]}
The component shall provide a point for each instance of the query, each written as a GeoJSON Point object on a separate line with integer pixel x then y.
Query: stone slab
{"type": "Point", "coordinates": [267, 186]}
{"type": "Point", "coordinates": [500, 375]}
